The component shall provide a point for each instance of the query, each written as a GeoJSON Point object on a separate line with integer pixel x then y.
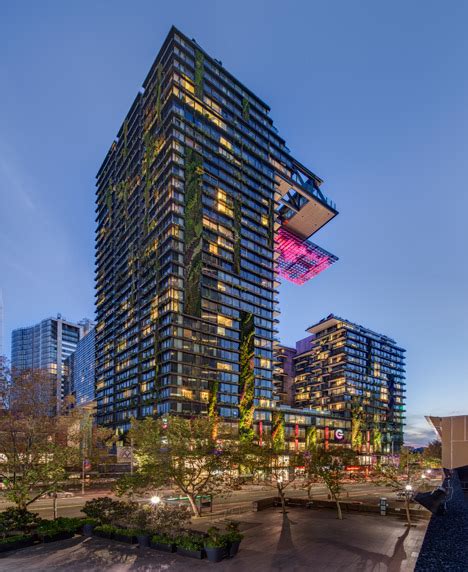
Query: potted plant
{"type": "Point", "coordinates": [190, 545]}
{"type": "Point", "coordinates": [215, 544]}
{"type": "Point", "coordinates": [88, 526]}
{"type": "Point", "coordinates": [139, 519]}
{"type": "Point", "coordinates": [233, 537]}
{"type": "Point", "coordinates": [163, 541]}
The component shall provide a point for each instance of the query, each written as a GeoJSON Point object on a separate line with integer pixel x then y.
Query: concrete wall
{"type": "Point", "coordinates": [453, 432]}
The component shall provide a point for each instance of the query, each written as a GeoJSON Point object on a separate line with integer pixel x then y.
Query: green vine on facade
{"type": "Point", "coordinates": [247, 377]}
{"type": "Point", "coordinates": [357, 424]}
{"type": "Point", "coordinates": [213, 399]}
{"type": "Point", "coordinates": [193, 231]}
{"type": "Point", "coordinates": [311, 438]}
{"type": "Point", "coordinates": [377, 441]}
{"type": "Point", "coordinates": [199, 72]}
{"type": "Point", "coordinates": [245, 109]}
{"type": "Point", "coordinates": [277, 430]}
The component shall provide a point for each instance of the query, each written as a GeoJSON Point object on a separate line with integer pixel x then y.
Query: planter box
{"type": "Point", "coordinates": [58, 536]}
{"type": "Point", "coordinates": [163, 547]}
{"type": "Point", "coordinates": [102, 534]}
{"type": "Point", "coordinates": [124, 538]}
{"type": "Point", "coordinates": [16, 545]}
{"type": "Point", "coordinates": [198, 554]}
{"type": "Point", "coordinates": [143, 540]}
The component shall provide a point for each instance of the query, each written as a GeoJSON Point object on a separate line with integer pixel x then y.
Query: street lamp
{"type": "Point", "coordinates": [155, 500]}
{"type": "Point", "coordinates": [408, 488]}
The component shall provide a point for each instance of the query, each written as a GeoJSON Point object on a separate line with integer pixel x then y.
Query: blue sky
{"type": "Point", "coordinates": [370, 95]}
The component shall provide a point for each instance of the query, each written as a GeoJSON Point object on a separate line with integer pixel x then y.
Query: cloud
{"type": "Point", "coordinates": [418, 432]}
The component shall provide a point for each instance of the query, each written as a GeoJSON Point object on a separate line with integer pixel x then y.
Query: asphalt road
{"type": "Point", "coordinates": [365, 492]}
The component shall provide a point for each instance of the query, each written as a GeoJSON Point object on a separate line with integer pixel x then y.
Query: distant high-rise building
{"type": "Point", "coordinates": [199, 204]}
{"type": "Point", "coordinates": [46, 346]}
{"type": "Point", "coordinates": [83, 369]}
{"type": "Point", "coordinates": [347, 369]}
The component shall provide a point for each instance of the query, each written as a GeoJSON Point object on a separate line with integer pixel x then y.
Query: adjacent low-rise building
{"type": "Point", "coordinates": [353, 373]}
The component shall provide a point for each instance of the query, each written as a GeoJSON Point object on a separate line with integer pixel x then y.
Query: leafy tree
{"type": "Point", "coordinates": [329, 468]}
{"type": "Point", "coordinates": [404, 477]}
{"type": "Point", "coordinates": [38, 449]}
{"type": "Point", "coordinates": [183, 453]}
{"type": "Point", "coordinates": [272, 465]}
{"type": "Point", "coordinates": [432, 453]}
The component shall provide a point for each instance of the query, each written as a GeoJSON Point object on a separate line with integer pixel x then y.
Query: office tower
{"type": "Point", "coordinates": [350, 370]}
{"type": "Point", "coordinates": [46, 346]}
{"type": "Point", "coordinates": [196, 199]}
{"type": "Point", "coordinates": [82, 367]}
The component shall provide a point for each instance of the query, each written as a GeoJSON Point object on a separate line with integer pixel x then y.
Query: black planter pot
{"type": "Point", "coordinates": [88, 529]}
{"type": "Point", "coordinates": [125, 538]}
{"type": "Point", "coordinates": [198, 554]}
{"type": "Point", "coordinates": [233, 548]}
{"type": "Point", "coordinates": [163, 547]}
{"type": "Point", "coordinates": [215, 554]}
{"type": "Point", "coordinates": [58, 536]}
{"type": "Point", "coordinates": [143, 540]}
{"type": "Point", "coordinates": [16, 545]}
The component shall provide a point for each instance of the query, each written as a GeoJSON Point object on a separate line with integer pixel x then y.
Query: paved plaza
{"type": "Point", "coordinates": [301, 540]}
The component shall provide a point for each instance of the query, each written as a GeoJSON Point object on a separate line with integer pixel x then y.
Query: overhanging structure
{"type": "Point", "coordinates": [302, 210]}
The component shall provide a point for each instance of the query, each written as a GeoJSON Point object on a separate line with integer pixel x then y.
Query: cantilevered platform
{"type": "Point", "coordinates": [300, 260]}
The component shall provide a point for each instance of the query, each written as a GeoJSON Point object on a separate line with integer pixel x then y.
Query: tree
{"type": "Point", "coordinates": [37, 448]}
{"type": "Point", "coordinates": [404, 477]}
{"type": "Point", "coordinates": [272, 465]}
{"type": "Point", "coordinates": [432, 453]}
{"type": "Point", "coordinates": [183, 453]}
{"type": "Point", "coordinates": [328, 467]}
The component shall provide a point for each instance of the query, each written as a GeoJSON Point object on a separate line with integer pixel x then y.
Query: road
{"type": "Point", "coordinates": [366, 492]}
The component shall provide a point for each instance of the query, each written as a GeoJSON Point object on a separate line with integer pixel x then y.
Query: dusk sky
{"type": "Point", "coordinates": [372, 96]}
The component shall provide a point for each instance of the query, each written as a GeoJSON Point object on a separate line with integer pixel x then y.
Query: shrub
{"type": "Point", "coordinates": [108, 511]}
{"type": "Point", "coordinates": [233, 533]}
{"type": "Point", "coordinates": [190, 542]}
{"type": "Point", "coordinates": [106, 528]}
{"type": "Point", "coordinates": [162, 538]}
{"type": "Point", "coordinates": [162, 518]}
{"type": "Point", "coordinates": [13, 539]}
{"type": "Point", "coordinates": [13, 519]}
{"type": "Point", "coordinates": [215, 538]}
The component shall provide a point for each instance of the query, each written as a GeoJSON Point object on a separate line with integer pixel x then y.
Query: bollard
{"type": "Point", "coordinates": [383, 504]}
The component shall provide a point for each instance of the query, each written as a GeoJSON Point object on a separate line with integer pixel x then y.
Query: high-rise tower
{"type": "Point", "coordinates": [199, 204]}
{"type": "Point", "coordinates": [46, 346]}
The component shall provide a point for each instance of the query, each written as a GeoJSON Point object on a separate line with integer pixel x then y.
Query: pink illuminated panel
{"type": "Point", "coordinates": [300, 260]}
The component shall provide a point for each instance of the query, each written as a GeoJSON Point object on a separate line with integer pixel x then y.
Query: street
{"type": "Point", "coordinates": [365, 492]}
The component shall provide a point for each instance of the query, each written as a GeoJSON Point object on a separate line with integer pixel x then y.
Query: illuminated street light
{"type": "Point", "coordinates": [155, 500]}
{"type": "Point", "coordinates": [408, 488]}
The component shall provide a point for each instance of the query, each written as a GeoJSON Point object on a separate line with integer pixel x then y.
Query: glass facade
{"type": "Point", "coordinates": [188, 204]}
{"type": "Point", "coordinates": [46, 346]}
{"type": "Point", "coordinates": [351, 371]}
